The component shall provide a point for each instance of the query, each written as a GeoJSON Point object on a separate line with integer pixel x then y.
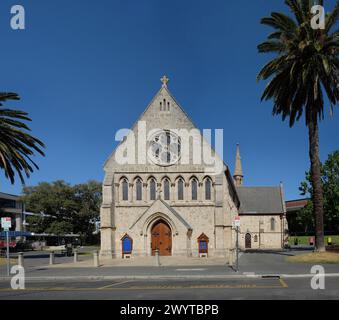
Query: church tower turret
{"type": "Point", "coordinates": [238, 175]}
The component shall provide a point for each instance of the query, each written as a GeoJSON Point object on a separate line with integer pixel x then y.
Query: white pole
{"type": "Point", "coordinates": [8, 261]}
{"type": "Point", "coordinates": [237, 268]}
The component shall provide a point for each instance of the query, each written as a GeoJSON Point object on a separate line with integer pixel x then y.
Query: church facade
{"type": "Point", "coordinates": [159, 198]}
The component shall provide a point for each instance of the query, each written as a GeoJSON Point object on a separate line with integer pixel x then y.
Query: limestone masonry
{"type": "Point", "coordinates": [165, 201]}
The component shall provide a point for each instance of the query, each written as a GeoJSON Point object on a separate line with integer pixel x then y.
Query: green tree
{"type": "Point", "coordinates": [16, 145]}
{"type": "Point", "coordinates": [65, 208]}
{"type": "Point", "coordinates": [88, 198]}
{"type": "Point", "coordinates": [330, 180]}
{"type": "Point", "coordinates": [304, 71]}
{"type": "Point", "coordinates": [60, 227]}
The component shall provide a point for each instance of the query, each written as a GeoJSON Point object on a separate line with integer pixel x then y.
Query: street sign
{"type": "Point", "coordinates": [237, 221]}
{"type": "Point", "coordinates": [6, 223]}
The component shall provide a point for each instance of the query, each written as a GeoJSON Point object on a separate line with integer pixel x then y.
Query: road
{"type": "Point", "coordinates": [172, 282]}
{"type": "Point", "coordinates": [174, 289]}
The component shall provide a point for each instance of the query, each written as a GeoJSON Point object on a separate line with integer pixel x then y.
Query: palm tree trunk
{"type": "Point", "coordinates": [318, 200]}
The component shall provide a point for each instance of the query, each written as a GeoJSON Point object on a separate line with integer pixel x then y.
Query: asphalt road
{"type": "Point", "coordinates": [234, 289]}
{"type": "Point", "coordinates": [203, 282]}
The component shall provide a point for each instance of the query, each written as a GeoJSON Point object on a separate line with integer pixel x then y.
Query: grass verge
{"type": "Point", "coordinates": [3, 261]}
{"type": "Point", "coordinates": [316, 257]}
{"type": "Point", "coordinates": [304, 240]}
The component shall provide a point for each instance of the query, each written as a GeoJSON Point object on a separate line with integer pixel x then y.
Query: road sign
{"type": "Point", "coordinates": [6, 223]}
{"type": "Point", "coordinates": [237, 221]}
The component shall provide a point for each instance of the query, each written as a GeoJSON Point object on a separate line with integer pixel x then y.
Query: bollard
{"type": "Point", "coordinates": [157, 259]}
{"type": "Point", "coordinates": [96, 258]}
{"type": "Point", "coordinates": [51, 258]}
{"type": "Point", "coordinates": [21, 259]}
{"type": "Point", "coordinates": [75, 255]}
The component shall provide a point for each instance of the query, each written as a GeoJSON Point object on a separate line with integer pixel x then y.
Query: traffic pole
{"type": "Point", "coordinates": [8, 261]}
{"type": "Point", "coordinates": [237, 263]}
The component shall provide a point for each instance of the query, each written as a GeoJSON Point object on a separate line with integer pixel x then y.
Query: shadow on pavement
{"type": "Point", "coordinates": [282, 253]}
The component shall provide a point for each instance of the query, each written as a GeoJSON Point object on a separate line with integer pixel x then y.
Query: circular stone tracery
{"type": "Point", "coordinates": [164, 148]}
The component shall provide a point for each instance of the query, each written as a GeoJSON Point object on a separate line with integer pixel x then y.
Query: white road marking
{"type": "Point", "coordinates": [114, 284]}
{"type": "Point", "coordinates": [190, 269]}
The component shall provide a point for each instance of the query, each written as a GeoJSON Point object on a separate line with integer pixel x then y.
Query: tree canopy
{"type": "Point", "coordinates": [330, 180]}
{"type": "Point", "coordinates": [65, 208]}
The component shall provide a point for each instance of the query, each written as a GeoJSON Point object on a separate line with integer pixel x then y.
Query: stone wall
{"type": "Point", "coordinates": [259, 227]}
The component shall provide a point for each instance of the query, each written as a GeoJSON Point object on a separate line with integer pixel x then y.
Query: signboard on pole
{"type": "Point", "coordinates": [237, 222]}
{"type": "Point", "coordinates": [6, 223]}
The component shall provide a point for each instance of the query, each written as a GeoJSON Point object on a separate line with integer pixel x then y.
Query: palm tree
{"type": "Point", "coordinates": [303, 72]}
{"type": "Point", "coordinates": [16, 145]}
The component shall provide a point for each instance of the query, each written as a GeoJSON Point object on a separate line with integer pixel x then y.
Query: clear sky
{"type": "Point", "coordinates": [86, 68]}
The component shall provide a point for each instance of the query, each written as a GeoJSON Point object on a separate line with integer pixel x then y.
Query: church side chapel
{"type": "Point", "coordinates": [159, 203]}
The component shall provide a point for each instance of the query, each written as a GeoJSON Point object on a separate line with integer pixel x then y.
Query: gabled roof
{"type": "Point", "coordinates": [162, 90]}
{"type": "Point", "coordinates": [175, 213]}
{"type": "Point", "coordinates": [260, 200]}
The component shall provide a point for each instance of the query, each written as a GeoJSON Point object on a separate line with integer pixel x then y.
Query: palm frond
{"type": "Point", "coordinates": [17, 146]}
{"type": "Point", "coordinates": [306, 66]}
{"type": "Point", "coordinates": [332, 18]}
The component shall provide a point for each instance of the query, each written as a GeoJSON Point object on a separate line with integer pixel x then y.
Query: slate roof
{"type": "Point", "coordinates": [260, 200]}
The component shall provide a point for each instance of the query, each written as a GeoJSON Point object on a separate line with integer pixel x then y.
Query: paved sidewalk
{"type": "Point", "coordinates": [147, 262]}
{"type": "Point", "coordinates": [250, 264]}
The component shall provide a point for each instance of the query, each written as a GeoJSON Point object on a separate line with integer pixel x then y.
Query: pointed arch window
{"type": "Point", "coordinates": [166, 189]}
{"type": "Point", "coordinates": [152, 190]}
{"type": "Point", "coordinates": [194, 186]}
{"type": "Point", "coordinates": [180, 189]}
{"type": "Point", "coordinates": [125, 190]}
{"type": "Point", "coordinates": [138, 187]}
{"type": "Point", "coordinates": [272, 224]}
{"type": "Point", "coordinates": [208, 187]}
{"type": "Point", "coordinates": [203, 243]}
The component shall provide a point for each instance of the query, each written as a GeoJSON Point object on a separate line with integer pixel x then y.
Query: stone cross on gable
{"type": "Point", "coordinates": [164, 81]}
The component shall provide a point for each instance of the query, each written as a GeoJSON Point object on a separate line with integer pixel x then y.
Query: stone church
{"type": "Point", "coordinates": [161, 195]}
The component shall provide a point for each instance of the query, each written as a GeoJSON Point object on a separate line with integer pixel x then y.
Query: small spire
{"type": "Point", "coordinates": [164, 81]}
{"type": "Point", "coordinates": [238, 174]}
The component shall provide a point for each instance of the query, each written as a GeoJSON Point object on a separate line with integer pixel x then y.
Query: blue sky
{"type": "Point", "coordinates": [85, 69]}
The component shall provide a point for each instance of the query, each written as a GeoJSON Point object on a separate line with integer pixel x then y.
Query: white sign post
{"type": "Point", "coordinates": [237, 226]}
{"type": "Point", "coordinates": [6, 224]}
{"type": "Point", "coordinates": [237, 221]}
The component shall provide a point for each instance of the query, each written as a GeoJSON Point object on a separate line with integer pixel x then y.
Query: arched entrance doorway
{"type": "Point", "coordinates": [248, 241]}
{"type": "Point", "coordinates": [161, 238]}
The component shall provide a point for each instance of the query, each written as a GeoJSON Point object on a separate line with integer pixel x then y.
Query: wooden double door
{"type": "Point", "coordinates": [161, 238]}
